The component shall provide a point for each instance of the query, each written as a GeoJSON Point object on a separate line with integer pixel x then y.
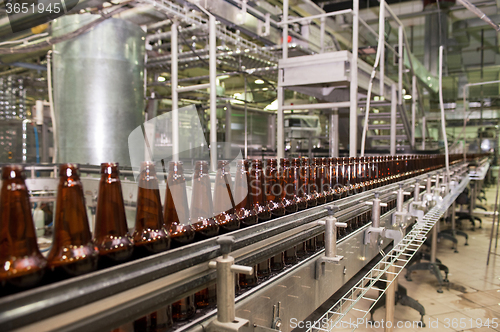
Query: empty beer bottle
{"type": "Point", "coordinates": [202, 216]}
{"type": "Point", "coordinates": [21, 262]}
{"type": "Point", "coordinates": [246, 281]}
{"type": "Point", "coordinates": [111, 231]}
{"type": "Point", "coordinates": [150, 235]}
{"type": "Point", "coordinates": [344, 175]}
{"type": "Point", "coordinates": [223, 199]}
{"type": "Point", "coordinates": [257, 185]}
{"type": "Point", "coordinates": [242, 195]}
{"type": "Point", "coordinates": [299, 187]}
{"type": "Point", "coordinates": [336, 178]}
{"type": "Point", "coordinates": [288, 195]}
{"type": "Point", "coordinates": [176, 210]}
{"type": "Point", "coordinates": [206, 297]}
{"type": "Point", "coordinates": [309, 182]}
{"type": "Point", "coordinates": [264, 268]}
{"type": "Point", "coordinates": [73, 250]}
{"type": "Point", "coordinates": [327, 171]}
{"type": "Point", "coordinates": [184, 309]}
{"type": "Point", "coordinates": [274, 189]}
{"type": "Point", "coordinates": [318, 174]}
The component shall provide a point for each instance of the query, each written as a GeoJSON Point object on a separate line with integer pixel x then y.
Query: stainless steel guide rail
{"type": "Point", "coordinates": [107, 298]}
{"type": "Point", "coordinates": [397, 258]}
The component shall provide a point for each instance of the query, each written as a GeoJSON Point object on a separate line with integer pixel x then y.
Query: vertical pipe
{"type": "Point", "coordinates": [322, 34]}
{"type": "Point", "coordinates": [353, 110]}
{"type": "Point", "coordinates": [413, 109]}
{"type": "Point", "coordinates": [246, 120]}
{"type": "Point", "coordinates": [393, 119]}
{"type": "Point", "coordinates": [280, 121]}
{"type": "Point", "coordinates": [227, 145]}
{"type": "Point", "coordinates": [285, 29]}
{"type": "Point", "coordinates": [381, 37]}
{"type": "Point", "coordinates": [175, 97]}
{"type": "Point", "coordinates": [213, 93]}
{"type": "Point", "coordinates": [390, 300]}
{"type": "Point", "coordinates": [423, 133]}
{"type": "Point", "coordinates": [465, 119]}
{"type": "Point", "coordinates": [400, 64]}
{"type": "Point", "coordinates": [334, 134]}
{"type": "Point", "coordinates": [443, 120]}
{"type": "Point", "coordinates": [434, 243]}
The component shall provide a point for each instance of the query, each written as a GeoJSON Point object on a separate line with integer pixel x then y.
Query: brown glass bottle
{"type": "Point", "coordinates": [223, 200]}
{"type": "Point", "coordinates": [319, 174]}
{"type": "Point", "coordinates": [288, 196]}
{"type": "Point", "coordinates": [150, 235]}
{"type": "Point", "coordinates": [344, 175]}
{"type": "Point", "coordinates": [327, 171]}
{"type": "Point", "coordinates": [264, 268]}
{"type": "Point", "coordinates": [274, 189]}
{"type": "Point", "coordinates": [242, 195]}
{"type": "Point", "coordinates": [299, 183]}
{"type": "Point", "coordinates": [73, 250]}
{"type": "Point", "coordinates": [246, 281]}
{"type": "Point", "coordinates": [184, 309]}
{"type": "Point", "coordinates": [202, 214]}
{"type": "Point", "coordinates": [176, 211]}
{"type": "Point", "coordinates": [160, 320]}
{"type": "Point", "coordinates": [22, 263]}
{"type": "Point", "coordinates": [308, 175]}
{"type": "Point", "coordinates": [257, 188]}
{"type": "Point", "coordinates": [206, 297]}
{"type": "Point", "coordinates": [335, 179]}
{"type": "Point", "coordinates": [111, 231]}
{"type": "Point", "coordinates": [316, 180]}
{"type": "Point", "coordinates": [278, 262]}
{"type": "Point", "coordinates": [360, 174]}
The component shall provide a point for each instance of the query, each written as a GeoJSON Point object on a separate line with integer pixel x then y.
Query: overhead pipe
{"type": "Point", "coordinates": [480, 14]}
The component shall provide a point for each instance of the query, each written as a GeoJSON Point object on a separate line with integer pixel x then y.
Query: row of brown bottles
{"type": "Point", "coordinates": [259, 194]}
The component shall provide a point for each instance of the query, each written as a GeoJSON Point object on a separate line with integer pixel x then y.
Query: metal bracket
{"type": "Point", "coordinates": [331, 256]}
{"type": "Point", "coordinates": [370, 230]}
{"type": "Point", "coordinates": [226, 320]}
{"type": "Point", "coordinates": [394, 234]}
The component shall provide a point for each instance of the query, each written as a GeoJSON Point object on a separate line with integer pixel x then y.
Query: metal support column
{"type": "Point", "coordinates": [280, 122]}
{"type": "Point", "coordinates": [393, 119]}
{"type": "Point", "coordinates": [400, 65]}
{"type": "Point", "coordinates": [246, 120]}
{"type": "Point", "coordinates": [353, 111]}
{"type": "Point", "coordinates": [334, 134]}
{"type": "Point", "coordinates": [228, 132]}
{"type": "Point", "coordinates": [285, 29]}
{"type": "Point", "coordinates": [322, 34]}
{"type": "Point", "coordinates": [213, 92]}
{"type": "Point", "coordinates": [413, 108]}
{"type": "Point", "coordinates": [423, 133]}
{"type": "Point", "coordinates": [175, 96]}
{"type": "Point", "coordinates": [381, 34]}
{"type": "Point", "coordinates": [390, 300]}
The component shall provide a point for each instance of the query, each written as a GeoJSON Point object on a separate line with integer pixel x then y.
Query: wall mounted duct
{"type": "Point", "coordinates": [98, 89]}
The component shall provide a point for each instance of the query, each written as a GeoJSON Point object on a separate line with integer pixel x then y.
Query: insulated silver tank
{"type": "Point", "coordinates": [98, 89]}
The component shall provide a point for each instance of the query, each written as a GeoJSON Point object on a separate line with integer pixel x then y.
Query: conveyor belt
{"type": "Point", "coordinates": [105, 299]}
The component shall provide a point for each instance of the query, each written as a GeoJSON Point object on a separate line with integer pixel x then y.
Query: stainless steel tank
{"type": "Point", "coordinates": [98, 89]}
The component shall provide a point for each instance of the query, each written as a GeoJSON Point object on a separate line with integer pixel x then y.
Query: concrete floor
{"type": "Point", "coordinates": [473, 297]}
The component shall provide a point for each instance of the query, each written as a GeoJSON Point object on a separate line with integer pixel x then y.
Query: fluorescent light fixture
{"type": "Point", "coordinates": [161, 79]}
{"type": "Point", "coordinates": [272, 106]}
{"type": "Point", "coordinates": [265, 89]}
{"type": "Point", "coordinates": [259, 81]}
{"type": "Point", "coordinates": [407, 97]}
{"type": "Point", "coordinates": [223, 77]}
{"type": "Point", "coordinates": [376, 98]}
